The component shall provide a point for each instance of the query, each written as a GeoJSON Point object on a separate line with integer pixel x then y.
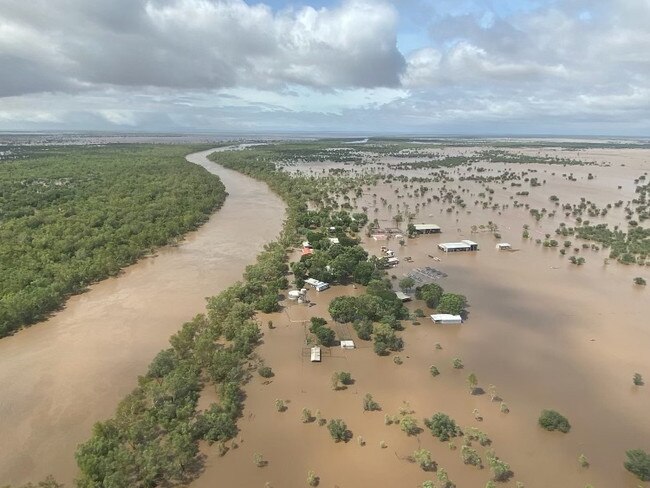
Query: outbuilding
{"type": "Point", "coordinates": [464, 245]}
{"type": "Point", "coordinates": [403, 296]}
{"type": "Point", "coordinates": [347, 344]}
{"type": "Point", "coordinates": [318, 285]}
{"type": "Point", "coordinates": [445, 318]}
{"type": "Point", "coordinates": [427, 228]}
{"type": "Point", "coordinates": [504, 246]}
{"type": "Point", "coordinates": [315, 354]}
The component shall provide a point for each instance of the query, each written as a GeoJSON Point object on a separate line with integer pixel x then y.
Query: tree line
{"type": "Point", "coordinates": [72, 216]}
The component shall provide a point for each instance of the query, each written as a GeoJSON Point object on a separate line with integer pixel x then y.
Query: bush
{"type": "Point", "coordinates": [409, 425]}
{"type": "Point", "coordinates": [265, 372]}
{"type": "Point", "coordinates": [552, 420]}
{"type": "Point", "coordinates": [423, 458]}
{"type": "Point", "coordinates": [345, 378]}
{"type": "Point", "coordinates": [442, 426]}
{"type": "Point", "coordinates": [369, 404]}
{"type": "Point", "coordinates": [434, 371]}
{"type": "Point", "coordinates": [638, 463]}
{"type": "Point", "coordinates": [338, 430]}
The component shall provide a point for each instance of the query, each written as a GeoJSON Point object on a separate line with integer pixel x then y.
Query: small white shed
{"type": "Point", "coordinates": [347, 344]}
{"type": "Point", "coordinates": [315, 354]}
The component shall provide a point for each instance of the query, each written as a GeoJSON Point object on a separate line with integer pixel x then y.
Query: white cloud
{"type": "Point", "coordinates": [575, 65]}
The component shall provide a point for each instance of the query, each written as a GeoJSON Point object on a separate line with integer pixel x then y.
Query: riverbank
{"type": "Point", "coordinates": [60, 378]}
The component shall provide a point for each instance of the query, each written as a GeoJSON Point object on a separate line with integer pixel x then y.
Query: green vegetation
{"type": "Point", "coordinates": [265, 372]}
{"type": "Point", "coordinates": [442, 426]}
{"type": "Point", "coordinates": [452, 303]}
{"type": "Point", "coordinates": [434, 371]}
{"type": "Point", "coordinates": [637, 379]}
{"type": "Point", "coordinates": [423, 458]}
{"type": "Point", "coordinates": [640, 281]}
{"type": "Point", "coordinates": [430, 293]}
{"type": "Point", "coordinates": [628, 248]}
{"type": "Point", "coordinates": [369, 404]}
{"type": "Point", "coordinates": [71, 216]}
{"type": "Point", "coordinates": [435, 297]}
{"type": "Point", "coordinates": [500, 469]}
{"type": "Point", "coordinates": [338, 430]}
{"type": "Point", "coordinates": [48, 482]}
{"type": "Point", "coordinates": [409, 425]}
{"type": "Point", "coordinates": [312, 479]}
{"type": "Point", "coordinates": [153, 437]}
{"type": "Point", "coordinates": [470, 456]}
{"type": "Point", "coordinates": [552, 420]}
{"type": "Point", "coordinates": [324, 334]}
{"type": "Point", "coordinates": [638, 463]}
{"type": "Point", "coordinates": [474, 434]}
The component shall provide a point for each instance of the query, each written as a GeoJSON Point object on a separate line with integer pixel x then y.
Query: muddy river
{"type": "Point", "coordinates": [59, 377]}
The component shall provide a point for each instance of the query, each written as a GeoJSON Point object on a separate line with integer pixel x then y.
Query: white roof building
{"type": "Point", "coordinates": [464, 245]}
{"type": "Point", "coordinates": [445, 318]}
{"type": "Point", "coordinates": [318, 285]}
{"type": "Point", "coordinates": [347, 344]}
{"type": "Point", "coordinates": [315, 354]}
{"type": "Point", "coordinates": [503, 246]}
{"type": "Point", "coordinates": [427, 228]}
{"type": "Point", "coordinates": [334, 240]}
{"type": "Point", "coordinates": [403, 296]}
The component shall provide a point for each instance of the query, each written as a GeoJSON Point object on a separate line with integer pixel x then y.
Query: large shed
{"type": "Point", "coordinates": [445, 318]}
{"type": "Point", "coordinates": [427, 228]}
{"type": "Point", "coordinates": [464, 245]}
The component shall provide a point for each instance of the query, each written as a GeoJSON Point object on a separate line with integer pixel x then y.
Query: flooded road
{"type": "Point", "coordinates": [59, 377]}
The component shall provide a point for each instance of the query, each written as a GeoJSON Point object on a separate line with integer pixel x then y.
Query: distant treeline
{"type": "Point", "coordinates": [70, 216]}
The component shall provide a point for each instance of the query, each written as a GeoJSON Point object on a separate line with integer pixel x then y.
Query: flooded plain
{"type": "Point", "coordinates": [546, 333]}
{"type": "Point", "coordinates": [59, 377]}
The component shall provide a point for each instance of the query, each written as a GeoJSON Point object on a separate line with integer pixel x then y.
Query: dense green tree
{"type": "Point", "coordinates": [71, 216]}
{"type": "Point", "coordinates": [638, 463]}
{"type": "Point", "coordinates": [430, 293]}
{"type": "Point", "coordinates": [552, 420]}
{"type": "Point", "coordinates": [406, 284]}
{"type": "Point", "coordinates": [442, 426]}
{"type": "Point", "coordinates": [452, 303]}
{"type": "Point", "coordinates": [338, 430]}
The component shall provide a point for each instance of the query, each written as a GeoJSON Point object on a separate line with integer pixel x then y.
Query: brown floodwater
{"type": "Point", "coordinates": [59, 377]}
{"type": "Point", "coordinates": [547, 333]}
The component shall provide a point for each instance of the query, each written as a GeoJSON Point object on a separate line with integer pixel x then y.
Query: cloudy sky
{"type": "Point", "coordinates": [364, 66]}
